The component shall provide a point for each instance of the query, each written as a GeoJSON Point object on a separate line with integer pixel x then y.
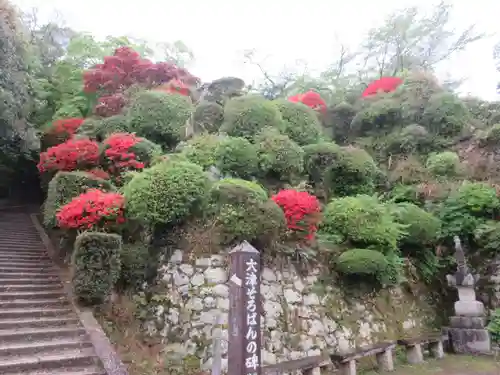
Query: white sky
{"type": "Point", "coordinates": [284, 30]}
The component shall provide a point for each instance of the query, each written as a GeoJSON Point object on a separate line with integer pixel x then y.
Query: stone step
{"type": "Point", "coordinates": [25, 264]}
{"type": "Point", "coordinates": [41, 269]}
{"type": "Point", "coordinates": [34, 257]}
{"type": "Point", "coordinates": [46, 322]}
{"type": "Point", "coordinates": [36, 303]}
{"type": "Point", "coordinates": [29, 275]}
{"type": "Point", "coordinates": [87, 370]}
{"type": "Point", "coordinates": [43, 333]}
{"type": "Point", "coordinates": [13, 287]}
{"type": "Point", "coordinates": [22, 237]}
{"type": "Point", "coordinates": [42, 347]}
{"type": "Point", "coordinates": [41, 294]}
{"type": "Point", "coordinates": [29, 281]}
{"type": "Point", "coordinates": [66, 358]}
{"type": "Point", "coordinates": [37, 312]}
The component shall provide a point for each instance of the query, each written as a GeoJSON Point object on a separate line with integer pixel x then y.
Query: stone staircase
{"type": "Point", "coordinates": [40, 333]}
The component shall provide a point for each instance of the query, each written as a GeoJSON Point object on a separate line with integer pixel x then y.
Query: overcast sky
{"type": "Point", "coordinates": [283, 31]}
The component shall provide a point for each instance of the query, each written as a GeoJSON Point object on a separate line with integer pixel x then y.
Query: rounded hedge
{"type": "Point", "coordinates": [279, 156]}
{"type": "Point", "coordinates": [201, 150]}
{"type": "Point", "coordinates": [444, 164]}
{"type": "Point", "coordinates": [362, 221]}
{"type": "Point", "coordinates": [422, 228]}
{"type": "Point", "coordinates": [319, 159]}
{"type": "Point", "coordinates": [362, 262]}
{"type": "Point", "coordinates": [235, 191]}
{"type": "Point", "coordinates": [237, 157]}
{"type": "Point", "coordinates": [168, 192]}
{"type": "Point", "coordinates": [246, 116]}
{"type": "Point", "coordinates": [159, 116]}
{"type": "Point", "coordinates": [445, 114]}
{"type": "Point", "coordinates": [207, 117]}
{"type": "Point", "coordinates": [301, 122]}
{"type": "Point", "coordinates": [99, 129]}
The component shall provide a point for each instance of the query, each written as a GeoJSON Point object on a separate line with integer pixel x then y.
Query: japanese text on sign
{"type": "Point", "coordinates": [252, 352]}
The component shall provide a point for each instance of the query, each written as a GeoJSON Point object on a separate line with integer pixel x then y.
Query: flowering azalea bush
{"type": "Point", "coordinates": [99, 173]}
{"type": "Point", "coordinates": [66, 127]}
{"type": "Point", "coordinates": [69, 156]}
{"type": "Point", "coordinates": [311, 99]}
{"type": "Point", "coordinates": [175, 86]}
{"type": "Point", "coordinates": [384, 84]}
{"type": "Point", "coordinates": [93, 209]}
{"type": "Point", "coordinates": [125, 69]}
{"type": "Point", "coordinates": [302, 211]}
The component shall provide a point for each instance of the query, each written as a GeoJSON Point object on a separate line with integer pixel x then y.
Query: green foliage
{"type": "Point", "coordinates": [100, 129]}
{"type": "Point", "coordinates": [413, 139]}
{"type": "Point", "coordinates": [159, 116]}
{"type": "Point", "coordinates": [492, 136]}
{"type": "Point", "coordinates": [494, 326]}
{"type": "Point", "coordinates": [279, 156]}
{"type": "Point", "coordinates": [64, 187]}
{"type": "Point", "coordinates": [246, 116]}
{"type": "Point", "coordinates": [237, 157]}
{"type": "Point", "coordinates": [421, 227]}
{"type": "Point", "coordinates": [339, 120]}
{"type": "Point", "coordinates": [362, 221]}
{"type": "Point", "coordinates": [244, 212]}
{"type": "Point", "coordinates": [235, 191]}
{"type": "Point", "coordinates": [445, 114]}
{"type": "Point", "coordinates": [208, 117]}
{"type": "Point", "coordinates": [444, 164]}
{"type": "Point", "coordinates": [470, 206]}
{"type": "Point", "coordinates": [201, 150]}
{"type": "Point", "coordinates": [362, 262]}
{"type": "Point", "coordinates": [134, 259]}
{"type": "Point", "coordinates": [168, 192]}
{"type": "Point", "coordinates": [301, 122]}
{"type": "Point", "coordinates": [354, 173]}
{"type": "Point", "coordinates": [381, 115]}
{"type": "Point", "coordinates": [487, 237]}
{"type": "Point", "coordinates": [96, 266]}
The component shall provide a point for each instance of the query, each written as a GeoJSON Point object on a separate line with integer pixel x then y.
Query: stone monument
{"type": "Point", "coordinates": [467, 327]}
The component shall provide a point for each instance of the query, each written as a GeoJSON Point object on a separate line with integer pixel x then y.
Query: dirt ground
{"type": "Point", "coordinates": [450, 365]}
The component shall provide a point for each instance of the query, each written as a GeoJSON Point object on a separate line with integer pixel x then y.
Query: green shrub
{"type": "Point", "coordinates": [355, 173]}
{"type": "Point", "coordinates": [96, 266]}
{"type": "Point", "coordinates": [319, 158]}
{"type": "Point", "coordinates": [237, 157]}
{"type": "Point", "coordinates": [362, 221]}
{"type": "Point", "coordinates": [470, 206]}
{"type": "Point", "coordinates": [236, 191]}
{"type": "Point", "coordinates": [246, 116]}
{"type": "Point", "coordinates": [279, 156]}
{"type": "Point", "coordinates": [64, 187]}
{"type": "Point", "coordinates": [362, 262]}
{"type": "Point", "coordinates": [381, 115]}
{"type": "Point", "coordinates": [201, 150]}
{"type": "Point", "coordinates": [339, 119]}
{"type": "Point", "coordinates": [492, 136]}
{"type": "Point", "coordinates": [487, 237]}
{"type": "Point", "coordinates": [413, 139]}
{"type": "Point", "coordinates": [134, 259]}
{"type": "Point", "coordinates": [494, 326]}
{"type": "Point", "coordinates": [422, 228]}
{"type": "Point", "coordinates": [301, 122]}
{"type": "Point", "coordinates": [445, 114]}
{"type": "Point", "coordinates": [99, 129]}
{"type": "Point", "coordinates": [168, 192]}
{"type": "Point", "coordinates": [208, 117]}
{"type": "Point", "coordinates": [160, 117]}
{"type": "Point", "coordinates": [444, 164]}
{"type": "Point", "coordinates": [244, 212]}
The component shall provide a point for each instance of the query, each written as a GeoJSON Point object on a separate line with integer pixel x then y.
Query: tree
{"type": "Point", "coordinates": [176, 53]}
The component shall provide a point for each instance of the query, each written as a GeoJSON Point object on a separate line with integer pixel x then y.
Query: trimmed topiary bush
{"type": "Point", "coordinates": [362, 262]}
{"type": "Point", "coordinates": [381, 115]}
{"type": "Point", "coordinates": [160, 117]}
{"type": "Point", "coordinates": [96, 266]}
{"type": "Point", "coordinates": [319, 159]}
{"type": "Point", "coordinates": [492, 136]}
{"type": "Point", "coordinates": [64, 187]}
{"type": "Point", "coordinates": [422, 228]}
{"type": "Point", "coordinates": [246, 116]}
{"type": "Point", "coordinates": [201, 150]}
{"type": "Point", "coordinates": [99, 129]}
{"type": "Point", "coordinates": [244, 212]}
{"type": "Point", "coordinates": [237, 157]}
{"type": "Point", "coordinates": [134, 260]}
{"type": "Point", "coordinates": [301, 122]}
{"type": "Point", "coordinates": [338, 121]}
{"type": "Point", "coordinates": [362, 221]}
{"type": "Point", "coordinates": [208, 117]}
{"type": "Point", "coordinates": [444, 164]}
{"type": "Point", "coordinates": [168, 192]}
{"type": "Point", "coordinates": [445, 114]}
{"type": "Point", "coordinates": [280, 158]}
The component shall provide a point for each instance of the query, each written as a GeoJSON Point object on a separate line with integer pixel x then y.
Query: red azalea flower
{"type": "Point", "coordinates": [93, 209]}
{"type": "Point", "coordinates": [384, 84]}
{"type": "Point", "coordinates": [69, 156]}
{"type": "Point", "coordinates": [301, 211]}
{"type": "Point", "coordinates": [311, 99]}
